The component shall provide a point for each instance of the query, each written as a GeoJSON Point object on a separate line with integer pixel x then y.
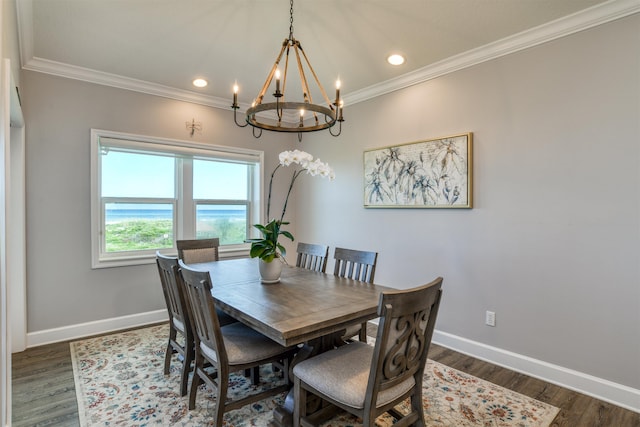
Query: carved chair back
{"type": "Point", "coordinates": [407, 320]}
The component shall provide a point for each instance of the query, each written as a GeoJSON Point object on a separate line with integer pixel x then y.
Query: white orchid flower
{"type": "Point", "coordinates": [286, 158]}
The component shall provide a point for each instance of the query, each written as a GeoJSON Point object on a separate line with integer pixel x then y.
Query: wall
{"type": "Point", "coordinates": [62, 289]}
{"type": "Point", "coordinates": [552, 244]}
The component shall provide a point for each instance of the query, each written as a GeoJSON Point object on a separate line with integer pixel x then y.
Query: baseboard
{"type": "Point", "coordinates": [608, 391]}
{"type": "Point", "coordinates": [65, 333]}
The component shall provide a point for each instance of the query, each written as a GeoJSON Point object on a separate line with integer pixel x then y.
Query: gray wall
{"type": "Point", "coordinates": [62, 288]}
{"type": "Point", "coordinates": [552, 244]}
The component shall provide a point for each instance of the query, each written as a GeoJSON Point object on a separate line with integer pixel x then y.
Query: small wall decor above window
{"type": "Point", "coordinates": [435, 173]}
{"type": "Point", "coordinates": [193, 127]}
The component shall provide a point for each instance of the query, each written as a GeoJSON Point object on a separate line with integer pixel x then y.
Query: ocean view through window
{"type": "Point", "coordinates": [147, 193]}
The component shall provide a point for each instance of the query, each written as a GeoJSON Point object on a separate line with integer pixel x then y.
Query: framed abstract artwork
{"type": "Point", "coordinates": [435, 173]}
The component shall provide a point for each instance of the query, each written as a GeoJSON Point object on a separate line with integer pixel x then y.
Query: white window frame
{"type": "Point", "coordinates": [184, 204]}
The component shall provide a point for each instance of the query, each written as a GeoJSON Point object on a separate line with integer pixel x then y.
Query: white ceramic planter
{"type": "Point", "coordinates": [270, 271]}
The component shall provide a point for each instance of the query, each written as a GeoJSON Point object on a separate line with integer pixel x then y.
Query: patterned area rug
{"type": "Point", "coordinates": [119, 382]}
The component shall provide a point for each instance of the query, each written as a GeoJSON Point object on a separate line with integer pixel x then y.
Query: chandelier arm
{"type": "Point", "coordinates": [306, 94]}
{"type": "Point", "coordinates": [267, 82]}
{"type": "Point", "coordinates": [339, 129]}
{"type": "Point", "coordinates": [256, 135]}
{"type": "Point", "coordinates": [286, 72]}
{"type": "Point", "coordinates": [322, 91]}
{"type": "Point", "coordinates": [235, 119]}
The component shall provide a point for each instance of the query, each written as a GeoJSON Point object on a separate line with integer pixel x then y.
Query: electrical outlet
{"type": "Point", "coordinates": [490, 318]}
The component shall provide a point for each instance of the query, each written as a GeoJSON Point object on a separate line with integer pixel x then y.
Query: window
{"type": "Point", "coordinates": [147, 192]}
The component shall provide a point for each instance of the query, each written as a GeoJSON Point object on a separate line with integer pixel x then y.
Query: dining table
{"type": "Point", "coordinates": [306, 308]}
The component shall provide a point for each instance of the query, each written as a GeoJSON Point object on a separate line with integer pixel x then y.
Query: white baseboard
{"type": "Point", "coordinates": [617, 394]}
{"type": "Point", "coordinates": [82, 330]}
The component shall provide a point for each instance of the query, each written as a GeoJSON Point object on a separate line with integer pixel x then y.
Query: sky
{"type": "Point", "coordinates": [153, 176]}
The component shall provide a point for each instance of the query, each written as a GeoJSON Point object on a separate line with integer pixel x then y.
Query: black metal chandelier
{"type": "Point", "coordinates": [291, 116]}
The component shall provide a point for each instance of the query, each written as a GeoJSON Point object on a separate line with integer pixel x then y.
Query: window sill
{"type": "Point", "coordinates": [151, 258]}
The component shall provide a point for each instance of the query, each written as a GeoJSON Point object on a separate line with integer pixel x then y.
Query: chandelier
{"type": "Point", "coordinates": [284, 115]}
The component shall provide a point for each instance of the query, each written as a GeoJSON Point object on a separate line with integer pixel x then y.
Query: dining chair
{"type": "Point", "coordinates": [357, 265]}
{"type": "Point", "coordinates": [366, 380]}
{"type": "Point", "coordinates": [202, 250]}
{"type": "Point", "coordinates": [226, 349]}
{"type": "Point", "coordinates": [312, 257]}
{"type": "Point", "coordinates": [178, 318]}
{"type": "Point", "coordinates": [198, 250]}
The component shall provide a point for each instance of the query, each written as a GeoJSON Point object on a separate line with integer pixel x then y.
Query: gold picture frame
{"type": "Point", "coordinates": [434, 173]}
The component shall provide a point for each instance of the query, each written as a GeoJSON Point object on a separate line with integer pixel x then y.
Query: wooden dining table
{"type": "Point", "coordinates": [305, 307]}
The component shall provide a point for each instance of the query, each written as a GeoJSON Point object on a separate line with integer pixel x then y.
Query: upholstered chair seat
{"type": "Point", "coordinates": [244, 345]}
{"type": "Point", "coordinates": [343, 375]}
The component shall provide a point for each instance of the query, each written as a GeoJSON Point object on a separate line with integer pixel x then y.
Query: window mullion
{"type": "Point", "coordinates": [186, 206]}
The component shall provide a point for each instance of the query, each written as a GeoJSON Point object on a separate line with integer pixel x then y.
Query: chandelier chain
{"type": "Point", "coordinates": [291, 20]}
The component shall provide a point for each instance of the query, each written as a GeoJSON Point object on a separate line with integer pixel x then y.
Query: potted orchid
{"type": "Point", "coordinates": [268, 247]}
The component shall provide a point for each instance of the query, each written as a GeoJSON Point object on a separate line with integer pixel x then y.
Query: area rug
{"type": "Point", "coordinates": [120, 382]}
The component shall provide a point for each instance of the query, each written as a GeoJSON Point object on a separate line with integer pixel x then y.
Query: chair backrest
{"type": "Point", "coordinates": [173, 289]}
{"type": "Point", "coordinates": [357, 265]}
{"type": "Point", "coordinates": [407, 319]}
{"type": "Point", "coordinates": [312, 257]}
{"type": "Point", "coordinates": [197, 285]}
{"type": "Point", "coordinates": [199, 250]}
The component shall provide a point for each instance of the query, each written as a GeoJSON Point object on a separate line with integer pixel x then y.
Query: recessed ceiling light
{"type": "Point", "coordinates": [395, 59]}
{"type": "Point", "coordinates": [200, 83]}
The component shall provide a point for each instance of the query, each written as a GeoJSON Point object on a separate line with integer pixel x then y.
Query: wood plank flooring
{"type": "Point", "coordinates": [44, 391]}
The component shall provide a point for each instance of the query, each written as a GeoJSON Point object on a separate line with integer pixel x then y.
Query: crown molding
{"type": "Point", "coordinates": [98, 77]}
{"type": "Point", "coordinates": [571, 24]}
{"type": "Point", "coordinates": [588, 18]}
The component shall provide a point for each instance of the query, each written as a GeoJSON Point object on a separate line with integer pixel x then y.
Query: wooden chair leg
{"type": "Point", "coordinates": [299, 402]}
{"type": "Point", "coordinates": [167, 358]}
{"type": "Point", "coordinates": [195, 381]}
{"type": "Point", "coordinates": [221, 398]}
{"type": "Point", "coordinates": [186, 368]}
{"type": "Point", "coordinates": [416, 406]}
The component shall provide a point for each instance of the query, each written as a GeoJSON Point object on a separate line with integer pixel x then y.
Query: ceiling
{"type": "Point", "coordinates": [160, 46]}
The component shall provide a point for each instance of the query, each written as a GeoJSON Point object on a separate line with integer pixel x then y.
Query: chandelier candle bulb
{"type": "Point", "coordinates": [235, 95]}
{"type": "Point", "coordinates": [337, 92]}
{"type": "Point", "coordinates": [277, 81]}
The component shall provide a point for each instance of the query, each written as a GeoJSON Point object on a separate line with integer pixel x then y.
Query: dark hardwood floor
{"type": "Point", "coordinates": [44, 392]}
